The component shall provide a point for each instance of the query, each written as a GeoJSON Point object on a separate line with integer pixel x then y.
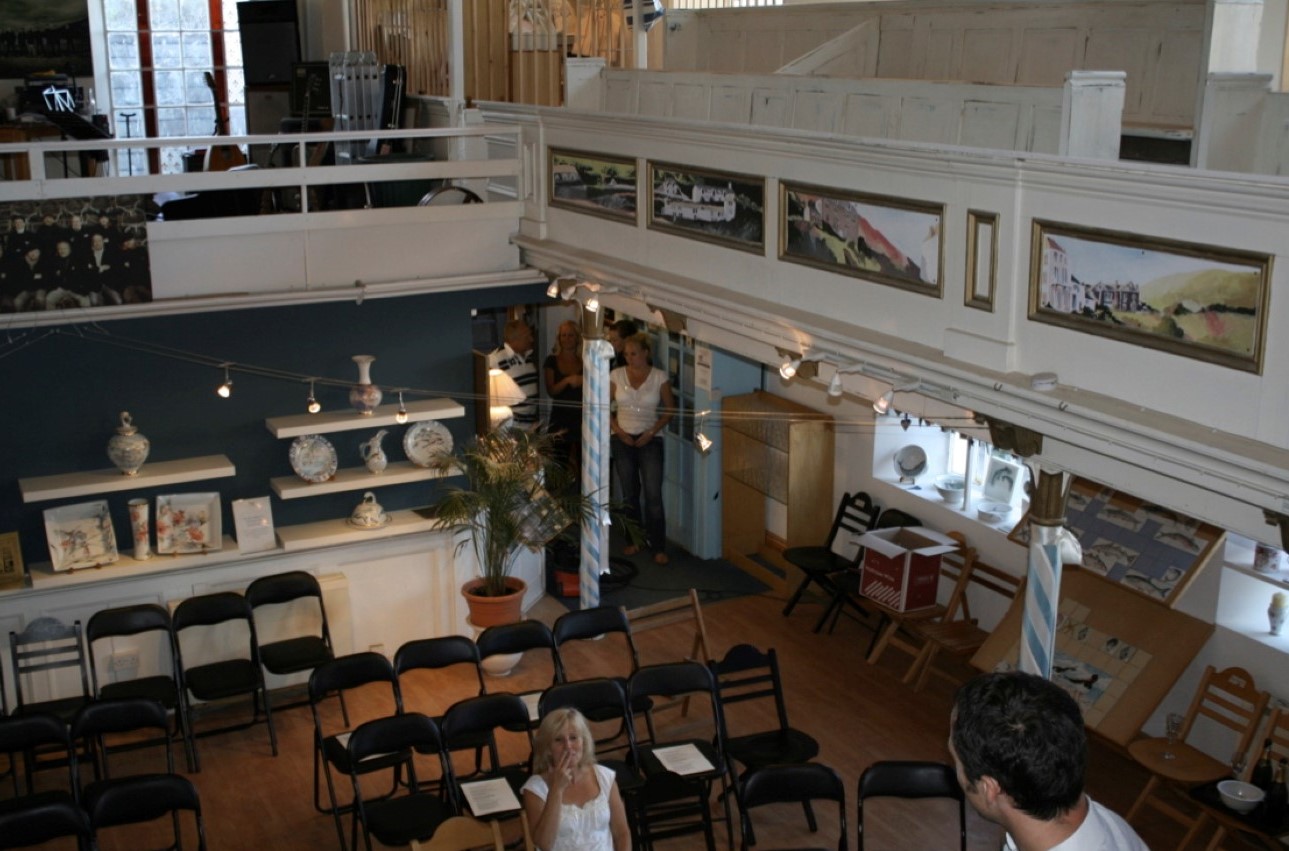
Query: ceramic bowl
{"type": "Point", "coordinates": [950, 487]}
{"type": "Point", "coordinates": [910, 461]}
{"type": "Point", "coordinates": [1240, 796]}
{"type": "Point", "coordinates": [993, 512]}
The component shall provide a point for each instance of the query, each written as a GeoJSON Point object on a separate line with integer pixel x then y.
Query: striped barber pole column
{"type": "Point", "coordinates": [597, 354]}
{"type": "Point", "coordinates": [1050, 546]}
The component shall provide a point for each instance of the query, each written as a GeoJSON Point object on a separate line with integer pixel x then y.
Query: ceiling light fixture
{"type": "Point", "coordinates": [883, 403]}
{"type": "Point", "coordinates": [701, 440]}
{"type": "Point", "coordinates": [312, 405]}
{"type": "Point", "coordinates": [400, 416]}
{"type": "Point", "coordinates": [552, 289]}
{"type": "Point", "coordinates": [226, 389]}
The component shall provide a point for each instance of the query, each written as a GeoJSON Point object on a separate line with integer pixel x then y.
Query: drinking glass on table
{"type": "Point", "coordinates": [1239, 760]}
{"type": "Point", "coordinates": [1172, 729]}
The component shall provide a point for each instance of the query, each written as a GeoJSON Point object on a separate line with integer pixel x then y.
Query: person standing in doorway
{"type": "Point", "coordinates": [563, 372]}
{"type": "Point", "coordinates": [515, 358]}
{"type": "Point", "coordinates": [643, 405]}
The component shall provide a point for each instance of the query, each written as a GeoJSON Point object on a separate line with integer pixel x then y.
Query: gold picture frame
{"type": "Point", "coordinates": [596, 184]}
{"type": "Point", "coordinates": [719, 207]}
{"type": "Point", "coordinates": [1193, 300]}
{"type": "Point", "coordinates": [12, 572]}
{"type": "Point", "coordinates": [982, 260]}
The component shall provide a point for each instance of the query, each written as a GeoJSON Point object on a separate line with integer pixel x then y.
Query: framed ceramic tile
{"type": "Point", "coordinates": [80, 535]}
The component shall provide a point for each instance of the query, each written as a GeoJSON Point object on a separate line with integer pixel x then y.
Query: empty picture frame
{"type": "Point", "coordinates": [982, 260]}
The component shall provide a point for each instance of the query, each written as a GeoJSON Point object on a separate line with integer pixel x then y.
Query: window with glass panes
{"type": "Point", "coordinates": [159, 53]}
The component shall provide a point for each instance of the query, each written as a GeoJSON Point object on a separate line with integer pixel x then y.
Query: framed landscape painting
{"type": "Point", "coordinates": [1194, 300]}
{"type": "Point", "coordinates": [593, 183]}
{"type": "Point", "coordinates": [714, 206]}
{"type": "Point", "coordinates": [889, 240]}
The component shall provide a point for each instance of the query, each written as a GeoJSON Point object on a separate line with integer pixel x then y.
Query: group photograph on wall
{"type": "Point", "coordinates": [1194, 300]}
{"type": "Point", "coordinates": [75, 253]}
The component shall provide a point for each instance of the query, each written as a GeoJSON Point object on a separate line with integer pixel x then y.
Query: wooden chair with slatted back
{"type": "Point", "coordinates": [957, 567]}
{"type": "Point", "coordinates": [462, 833]}
{"type": "Point", "coordinates": [958, 633]}
{"type": "Point", "coordinates": [1258, 826]}
{"type": "Point", "coordinates": [680, 611]}
{"type": "Point", "coordinates": [1229, 698]}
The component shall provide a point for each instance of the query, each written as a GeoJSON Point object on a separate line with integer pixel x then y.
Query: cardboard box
{"type": "Point", "coordinates": [902, 566]}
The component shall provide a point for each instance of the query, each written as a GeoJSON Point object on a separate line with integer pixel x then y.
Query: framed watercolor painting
{"type": "Point", "coordinates": [1147, 548]}
{"type": "Point", "coordinates": [1194, 300]}
{"type": "Point", "coordinates": [891, 241]}
{"type": "Point", "coordinates": [593, 183]}
{"type": "Point", "coordinates": [713, 206]}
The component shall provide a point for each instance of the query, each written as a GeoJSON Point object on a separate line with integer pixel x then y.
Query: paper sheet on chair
{"type": "Point", "coordinates": [530, 700]}
{"type": "Point", "coordinates": [343, 739]}
{"type": "Point", "coordinates": [486, 797]}
{"type": "Point", "coordinates": [683, 759]}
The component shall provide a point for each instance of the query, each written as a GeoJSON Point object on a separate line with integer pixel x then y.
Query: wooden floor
{"type": "Point", "coordinates": [859, 714]}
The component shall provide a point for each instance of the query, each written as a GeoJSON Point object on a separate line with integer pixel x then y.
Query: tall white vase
{"type": "Point", "coordinates": [364, 396]}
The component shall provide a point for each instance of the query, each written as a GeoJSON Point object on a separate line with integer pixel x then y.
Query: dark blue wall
{"type": "Point", "coordinates": [63, 393]}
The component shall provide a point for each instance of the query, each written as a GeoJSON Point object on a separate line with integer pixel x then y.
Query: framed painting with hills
{"type": "Point", "coordinates": [1193, 300]}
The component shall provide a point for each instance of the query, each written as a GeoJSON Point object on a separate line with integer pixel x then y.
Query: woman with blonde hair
{"type": "Point", "coordinates": [563, 372]}
{"type": "Point", "coordinates": [572, 803]}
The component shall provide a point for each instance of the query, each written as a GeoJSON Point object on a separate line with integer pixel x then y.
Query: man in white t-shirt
{"type": "Point", "coordinates": [1020, 749]}
{"type": "Point", "coordinates": [515, 358]}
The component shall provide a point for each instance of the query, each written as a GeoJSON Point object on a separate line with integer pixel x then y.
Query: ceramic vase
{"type": "Point", "coordinates": [1266, 559]}
{"type": "Point", "coordinates": [139, 529]}
{"type": "Point", "coordinates": [1276, 617]}
{"type": "Point", "coordinates": [128, 449]}
{"type": "Point", "coordinates": [373, 454]}
{"type": "Point", "coordinates": [364, 396]}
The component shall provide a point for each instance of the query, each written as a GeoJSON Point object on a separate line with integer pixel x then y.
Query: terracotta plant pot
{"type": "Point", "coordinates": [491, 611]}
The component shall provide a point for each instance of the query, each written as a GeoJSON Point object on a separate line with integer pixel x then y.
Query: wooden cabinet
{"type": "Point", "coordinates": [776, 450]}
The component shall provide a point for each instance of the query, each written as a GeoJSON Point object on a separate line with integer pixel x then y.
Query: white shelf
{"type": "Point", "coordinates": [43, 574]}
{"type": "Point", "coordinates": [159, 473]}
{"type": "Point", "coordinates": [327, 533]}
{"type": "Point", "coordinates": [353, 479]}
{"type": "Point", "coordinates": [350, 420]}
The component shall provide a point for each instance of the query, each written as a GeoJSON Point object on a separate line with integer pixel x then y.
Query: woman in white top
{"type": "Point", "coordinates": [572, 803]}
{"type": "Point", "coordinates": [644, 403]}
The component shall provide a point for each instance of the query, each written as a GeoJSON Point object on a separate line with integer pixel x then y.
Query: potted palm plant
{"type": "Point", "coordinates": [516, 494]}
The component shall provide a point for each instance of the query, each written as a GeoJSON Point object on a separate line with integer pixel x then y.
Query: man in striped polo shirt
{"type": "Point", "coordinates": [515, 358]}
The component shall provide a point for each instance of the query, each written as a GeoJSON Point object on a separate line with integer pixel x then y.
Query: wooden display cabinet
{"type": "Point", "coordinates": [782, 451]}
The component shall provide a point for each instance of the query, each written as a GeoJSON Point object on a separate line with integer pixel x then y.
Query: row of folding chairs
{"type": "Point", "coordinates": [190, 673]}
{"type": "Point", "coordinates": [88, 808]}
{"type": "Point", "coordinates": [810, 783]}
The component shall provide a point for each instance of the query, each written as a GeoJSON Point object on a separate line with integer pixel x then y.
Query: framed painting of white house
{"type": "Point", "coordinates": [713, 206]}
{"type": "Point", "coordinates": [1194, 300]}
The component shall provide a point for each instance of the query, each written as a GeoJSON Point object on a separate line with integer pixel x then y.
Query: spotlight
{"type": "Point", "coordinates": [226, 389]}
{"type": "Point", "coordinates": [568, 292]}
{"type": "Point", "coordinates": [400, 416]}
{"type": "Point", "coordinates": [702, 441]}
{"type": "Point", "coordinates": [593, 304]}
{"type": "Point", "coordinates": [834, 387]}
{"type": "Point", "coordinates": [788, 368]}
{"type": "Point", "coordinates": [312, 404]}
{"type": "Point", "coordinates": [905, 422]}
{"type": "Point", "coordinates": [552, 289]}
{"type": "Point", "coordinates": [883, 403]}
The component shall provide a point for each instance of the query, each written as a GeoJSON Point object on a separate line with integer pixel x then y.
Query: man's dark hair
{"type": "Point", "coordinates": [626, 328]}
{"type": "Point", "coordinates": [1027, 734]}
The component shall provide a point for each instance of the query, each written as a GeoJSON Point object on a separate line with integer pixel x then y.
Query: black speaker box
{"type": "Point", "coordinates": [270, 41]}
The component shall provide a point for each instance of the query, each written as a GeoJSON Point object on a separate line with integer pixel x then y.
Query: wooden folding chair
{"type": "Point", "coordinates": [1258, 825]}
{"type": "Point", "coordinates": [677, 611]}
{"type": "Point", "coordinates": [957, 632]}
{"type": "Point", "coordinates": [957, 567]}
{"type": "Point", "coordinates": [1229, 698]}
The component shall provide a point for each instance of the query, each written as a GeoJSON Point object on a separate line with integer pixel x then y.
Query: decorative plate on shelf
{"type": "Point", "coordinates": [80, 535]}
{"type": "Point", "coordinates": [313, 458]}
{"type": "Point", "coordinates": [189, 523]}
{"type": "Point", "coordinates": [910, 461]}
{"type": "Point", "coordinates": [426, 439]}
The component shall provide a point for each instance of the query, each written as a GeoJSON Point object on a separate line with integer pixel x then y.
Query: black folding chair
{"type": "Point", "coordinates": [802, 783]}
{"type": "Point", "coordinates": [820, 563]}
{"type": "Point", "coordinates": [436, 654]}
{"type": "Point", "coordinates": [479, 718]}
{"type": "Point", "coordinates": [606, 625]}
{"type": "Point", "coordinates": [303, 649]}
{"type": "Point", "coordinates": [165, 687]}
{"type": "Point", "coordinates": [31, 817]}
{"type": "Point", "coordinates": [394, 741]}
{"type": "Point", "coordinates": [144, 798]}
{"type": "Point", "coordinates": [909, 779]}
{"type": "Point", "coordinates": [847, 583]}
{"type": "Point", "coordinates": [233, 676]}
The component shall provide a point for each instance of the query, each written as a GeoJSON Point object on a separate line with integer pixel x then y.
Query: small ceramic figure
{"type": "Point", "coordinates": [368, 514]}
{"type": "Point", "coordinates": [373, 454]}
{"type": "Point", "coordinates": [1276, 612]}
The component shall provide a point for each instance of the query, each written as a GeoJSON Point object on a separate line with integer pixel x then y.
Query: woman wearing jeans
{"type": "Point", "coordinates": [644, 404]}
